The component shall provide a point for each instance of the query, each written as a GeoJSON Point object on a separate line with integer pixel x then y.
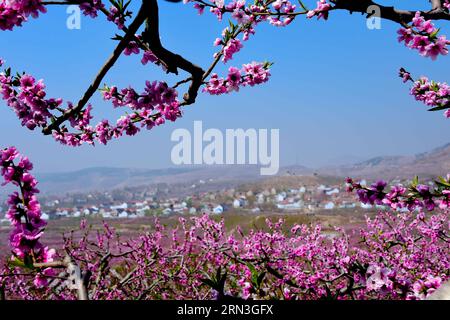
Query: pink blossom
{"type": "Point", "coordinates": [14, 12]}
{"type": "Point", "coordinates": [91, 8]}
{"type": "Point", "coordinates": [233, 46]}
{"type": "Point", "coordinates": [434, 49]}
{"type": "Point", "coordinates": [321, 10]}
{"type": "Point", "coordinates": [147, 57]}
{"type": "Point", "coordinates": [200, 8]}
{"type": "Point", "coordinates": [240, 16]}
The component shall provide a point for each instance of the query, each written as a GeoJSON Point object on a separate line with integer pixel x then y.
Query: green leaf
{"type": "Point", "coordinates": [17, 262]}
{"type": "Point", "coordinates": [415, 181]}
{"type": "Point", "coordinates": [254, 272]}
{"type": "Point", "coordinates": [443, 107]}
{"type": "Point", "coordinates": [442, 182]}
{"type": "Point", "coordinates": [209, 282]}
{"type": "Point", "coordinates": [260, 279]}
{"type": "Point", "coordinates": [434, 34]}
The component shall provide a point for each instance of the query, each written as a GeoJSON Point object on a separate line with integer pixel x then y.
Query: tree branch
{"type": "Point", "coordinates": [173, 61]}
{"type": "Point", "coordinates": [390, 13]}
{"type": "Point", "coordinates": [133, 28]}
{"type": "Point", "coordinates": [436, 4]}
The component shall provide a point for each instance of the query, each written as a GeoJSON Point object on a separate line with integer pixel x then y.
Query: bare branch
{"type": "Point", "coordinates": [389, 13]}
{"type": "Point", "coordinates": [134, 26]}
{"type": "Point", "coordinates": [173, 61]}
{"type": "Point", "coordinates": [436, 4]}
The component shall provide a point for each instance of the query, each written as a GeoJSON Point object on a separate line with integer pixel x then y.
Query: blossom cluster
{"type": "Point", "coordinates": [116, 14]}
{"type": "Point", "coordinates": [279, 13]}
{"type": "Point", "coordinates": [233, 46]}
{"type": "Point", "coordinates": [321, 11]}
{"type": "Point", "coordinates": [283, 15]}
{"type": "Point", "coordinates": [413, 197]}
{"type": "Point", "coordinates": [251, 74]}
{"type": "Point", "coordinates": [151, 108]}
{"type": "Point", "coordinates": [398, 256]}
{"type": "Point", "coordinates": [422, 35]}
{"type": "Point", "coordinates": [431, 93]}
{"type": "Point", "coordinates": [24, 213]}
{"type": "Point", "coordinates": [14, 12]}
{"type": "Point", "coordinates": [91, 8]}
{"type": "Point", "coordinates": [27, 97]}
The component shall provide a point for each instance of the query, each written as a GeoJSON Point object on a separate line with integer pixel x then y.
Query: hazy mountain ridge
{"type": "Point", "coordinates": [427, 164]}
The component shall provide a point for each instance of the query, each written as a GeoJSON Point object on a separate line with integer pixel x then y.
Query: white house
{"type": "Point", "coordinates": [45, 216]}
{"type": "Point", "coordinates": [106, 214]}
{"type": "Point", "coordinates": [123, 214]}
{"type": "Point", "coordinates": [329, 206]}
{"type": "Point", "coordinates": [141, 211]}
{"type": "Point", "coordinates": [260, 198]}
{"type": "Point", "coordinates": [332, 191]}
{"type": "Point", "coordinates": [366, 206]}
{"type": "Point", "coordinates": [218, 209]}
{"type": "Point", "coordinates": [281, 196]}
{"type": "Point", "coordinates": [290, 206]}
{"type": "Point", "coordinates": [5, 221]}
{"type": "Point", "coordinates": [63, 213]}
{"type": "Point", "coordinates": [122, 206]}
{"type": "Point", "coordinates": [347, 205]}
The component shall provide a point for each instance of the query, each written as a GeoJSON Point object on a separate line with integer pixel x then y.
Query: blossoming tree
{"type": "Point", "coordinates": [404, 253]}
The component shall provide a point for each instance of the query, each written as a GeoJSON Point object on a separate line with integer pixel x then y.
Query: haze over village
{"type": "Point", "coordinates": [109, 193]}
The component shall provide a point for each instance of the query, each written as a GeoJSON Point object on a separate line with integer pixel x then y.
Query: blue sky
{"type": "Point", "coordinates": [334, 92]}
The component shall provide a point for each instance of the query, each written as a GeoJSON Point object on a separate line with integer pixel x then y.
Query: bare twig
{"type": "Point", "coordinates": [389, 13]}
{"type": "Point", "coordinates": [134, 26]}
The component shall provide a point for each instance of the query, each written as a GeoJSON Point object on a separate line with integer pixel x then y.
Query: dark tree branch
{"type": "Point", "coordinates": [436, 4]}
{"type": "Point", "coordinates": [390, 13]}
{"type": "Point", "coordinates": [68, 2]}
{"type": "Point", "coordinates": [173, 61]}
{"type": "Point", "coordinates": [130, 34]}
{"type": "Point", "coordinates": [149, 13]}
{"type": "Point", "coordinates": [2, 293]}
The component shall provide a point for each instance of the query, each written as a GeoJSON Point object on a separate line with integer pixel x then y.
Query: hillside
{"type": "Point", "coordinates": [429, 164]}
{"type": "Point", "coordinates": [426, 165]}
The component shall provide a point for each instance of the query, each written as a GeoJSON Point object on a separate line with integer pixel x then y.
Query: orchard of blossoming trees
{"type": "Point", "coordinates": [403, 253]}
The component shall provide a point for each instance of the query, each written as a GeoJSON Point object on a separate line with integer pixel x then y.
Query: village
{"type": "Point", "coordinates": [161, 200]}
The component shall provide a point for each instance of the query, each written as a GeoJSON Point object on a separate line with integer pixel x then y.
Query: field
{"type": "Point", "coordinates": [130, 228]}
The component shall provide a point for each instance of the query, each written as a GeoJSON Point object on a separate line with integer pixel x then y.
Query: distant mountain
{"type": "Point", "coordinates": [101, 178]}
{"type": "Point", "coordinates": [428, 164]}
{"type": "Point", "coordinates": [106, 178]}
